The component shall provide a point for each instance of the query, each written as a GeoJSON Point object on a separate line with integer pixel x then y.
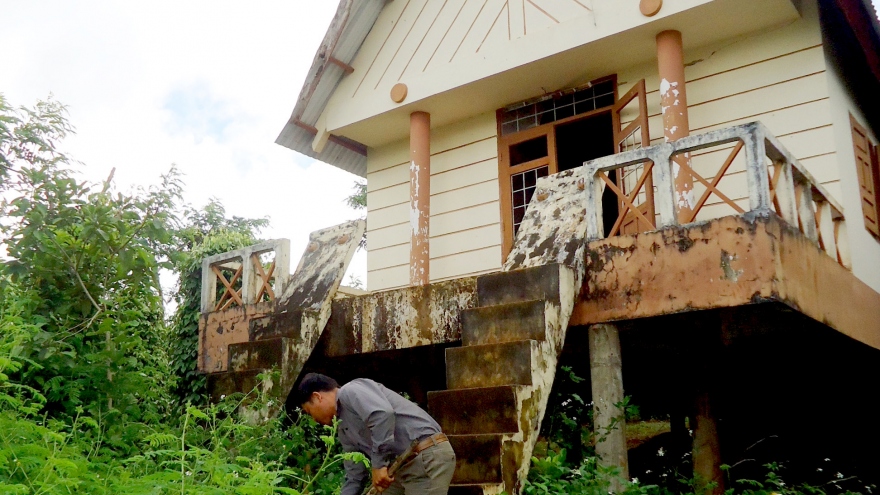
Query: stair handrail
{"type": "Point", "coordinates": [246, 266]}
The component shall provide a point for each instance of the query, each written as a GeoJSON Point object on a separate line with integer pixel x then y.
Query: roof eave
{"type": "Point", "coordinates": [350, 25]}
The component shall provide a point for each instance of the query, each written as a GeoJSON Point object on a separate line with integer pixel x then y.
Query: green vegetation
{"type": "Point", "coordinates": [99, 392]}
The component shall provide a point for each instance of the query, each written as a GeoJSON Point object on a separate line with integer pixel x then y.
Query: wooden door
{"type": "Point", "coordinates": [634, 135]}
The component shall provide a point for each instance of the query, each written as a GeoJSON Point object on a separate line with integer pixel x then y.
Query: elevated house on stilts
{"type": "Point", "coordinates": [679, 196]}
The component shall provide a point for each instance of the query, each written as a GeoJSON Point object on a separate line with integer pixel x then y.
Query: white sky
{"type": "Point", "coordinates": [206, 85]}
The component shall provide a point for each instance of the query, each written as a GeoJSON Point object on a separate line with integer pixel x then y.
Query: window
{"type": "Point", "coordinates": [869, 176]}
{"type": "Point", "coordinates": [546, 135]}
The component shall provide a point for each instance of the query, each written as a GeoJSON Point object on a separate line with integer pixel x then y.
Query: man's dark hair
{"type": "Point", "coordinates": [314, 382]}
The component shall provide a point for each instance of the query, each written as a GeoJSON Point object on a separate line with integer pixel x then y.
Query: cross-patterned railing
{"type": "Point", "coordinates": [246, 276]}
{"type": "Point", "coordinates": [775, 180]}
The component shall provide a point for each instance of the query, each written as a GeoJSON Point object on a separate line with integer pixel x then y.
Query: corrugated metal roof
{"type": "Point", "coordinates": [353, 21]}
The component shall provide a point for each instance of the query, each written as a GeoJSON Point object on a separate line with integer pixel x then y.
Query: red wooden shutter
{"type": "Point", "coordinates": [866, 167]}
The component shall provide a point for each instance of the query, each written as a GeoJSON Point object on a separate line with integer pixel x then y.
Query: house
{"type": "Point", "coordinates": [605, 181]}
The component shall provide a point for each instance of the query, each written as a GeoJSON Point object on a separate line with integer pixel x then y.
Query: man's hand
{"type": "Point", "coordinates": [381, 480]}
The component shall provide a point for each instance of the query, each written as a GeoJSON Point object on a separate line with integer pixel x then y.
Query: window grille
{"type": "Point", "coordinates": [558, 106]}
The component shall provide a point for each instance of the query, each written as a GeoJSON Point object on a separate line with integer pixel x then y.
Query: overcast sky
{"type": "Point", "coordinates": [206, 85]}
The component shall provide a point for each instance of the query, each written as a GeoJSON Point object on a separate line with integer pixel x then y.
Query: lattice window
{"type": "Point", "coordinates": [557, 106]}
{"type": "Point", "coordinates": [522, 187]}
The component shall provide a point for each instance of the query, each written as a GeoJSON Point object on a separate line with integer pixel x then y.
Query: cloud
{"type": "Point", "coordinates": [197, 111]}
{"type": "Point", "coordinates": [206, 85]}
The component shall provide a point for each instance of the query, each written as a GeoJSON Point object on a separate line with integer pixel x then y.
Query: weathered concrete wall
{"type": "Point", "coordinates": [400, 318]}
{"type": "Point", "coordinates": [725, 262]}
{"type": "Point", "coordinates": [219, 329]}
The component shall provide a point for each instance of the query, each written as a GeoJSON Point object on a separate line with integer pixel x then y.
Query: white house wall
{"type": "Point", "coordinates": [864, 248]}
{"type": "Point", "coordinates": [778, 77]}
{"type": "Point", "coordinates": [465, 227]}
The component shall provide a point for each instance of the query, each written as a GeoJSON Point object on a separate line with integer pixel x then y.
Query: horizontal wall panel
{"type": "Point", "coordinates": [388, 155]}
{"type": "Point", "coordinates": [458, 157]}
{"type": "Point", "coordinates": [468, 218]}
{"type": "Point", "coordinates": [719, 210]}
{"type": "Point", "coordinates": [388, 257]}
{"type": "Point", "coordinates": [464, 197]}
{"type": "Point", "coordinates": [467, 131]}
{"type": "Point", "coordinates": [823, 168]}
{"type": "Point", "coordinates": [811, 142]}
{"type": "Point", "coordinates": [388, 196]}
{"type": "Point", "coordinates": [704, 62]}
{"type": "Point", "coordinates": [466, 263]}
{"type": "Point", "coordinates": [755, 102]}
{"type": "Point", "coordinates": [388, 278]}
{"type": "Point", "coordinates": [751, 77]}
{"type": "Point", "coordinates": [398, 174]}
{"type": "Point", "coordinates": [467, 240]}
{"type": "Point", "coordinates": [835, 191]}
{"type": "Point", "coordinates": [713, 59]}
{"type": "Point", "coordinates": [377, 219]}
{"type": "Point", "coordinates": [389, 236]}
{"type": "Point", "coordinates": [784, 120]}
{"type": "Point", "coordinates": [464, 176]}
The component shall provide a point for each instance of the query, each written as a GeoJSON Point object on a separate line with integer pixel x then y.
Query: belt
{"type": "Point", "coordinates": [430, 442]}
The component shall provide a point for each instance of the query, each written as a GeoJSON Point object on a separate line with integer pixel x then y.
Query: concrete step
{"type": "Point", "coordinates": [503, 323]}
{"type": "Point", "coordinates": [278, 325]}
{"type": "Point", "coordinates": [230, 382]}
{"type": "Point", "coordinates": [529, 284]}
{"type": "Point", "coordinates": [490, 365]}
{"type": "Point", "coordinates": [477, 459]}
{"type": "Point", "coordinates": [261, 354]}
{"type": "Point", "coordinates": [475, 410]}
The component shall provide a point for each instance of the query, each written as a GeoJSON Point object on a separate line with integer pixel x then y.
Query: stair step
{"type": "Point", "coordinates": [477, 458]}
{"type": "Point", "coordinates": [489, 365]}
{"type": "Point", "coordinates": [260, 354]}
{"type": "Point", "coordinates": [503, 323]}
{"type": "Point", "coordinates": [475, 410]}
{"type": "Point", "coordinates": [528, 284]}
{"type": "Point", "coordinates": [230, 382]}
{"type": "Point", "coordinates": [277, 325]}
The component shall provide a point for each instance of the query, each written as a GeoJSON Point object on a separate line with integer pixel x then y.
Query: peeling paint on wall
{"type": "Point", "coordinates": [400, 318]}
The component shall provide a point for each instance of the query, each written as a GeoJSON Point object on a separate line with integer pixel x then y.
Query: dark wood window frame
{"type": "Point", "coordinates": [868, 171]}
{"type": "Point", "coordinates": [507, 172]}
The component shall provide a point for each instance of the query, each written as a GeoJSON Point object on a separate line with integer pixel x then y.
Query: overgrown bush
{"type": "Point", "coordinates": [90, 400]}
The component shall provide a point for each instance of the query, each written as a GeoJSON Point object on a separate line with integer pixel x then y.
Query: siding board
{"type": "Point", "coordinates": [464, 197]}
{"type": "Point", "coordinates": [480, 260]}
{"type": "Point", "coordinates": [477, 216]}
{"type": "Point", "coordinates": [480, 237]}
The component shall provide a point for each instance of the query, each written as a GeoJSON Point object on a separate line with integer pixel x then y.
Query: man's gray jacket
{"type": "Point", "coordinates": [378, 423]}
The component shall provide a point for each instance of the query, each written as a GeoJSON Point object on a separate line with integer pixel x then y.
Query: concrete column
{"type": "Point", "coordinates": [707, 448]}
{"type": "Point", "coordinates": [713, 332]}
{"type": "Point", "coordinates": [419, 196]}
{"type": "Point", "coordinates": [673, 104]}
{"type": "Point", "coordinates": [606, 376]}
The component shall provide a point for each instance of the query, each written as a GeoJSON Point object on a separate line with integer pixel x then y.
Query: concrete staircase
{"type": "Point", "coordinates": [498, 381]}
{"type": "Point", "coordinates": [282, 338]}
{"type": "Point", "coordinates": [281, 342]}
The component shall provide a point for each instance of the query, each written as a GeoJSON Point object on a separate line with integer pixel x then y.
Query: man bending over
{"type": "Point", "coordinates": [381, 424]}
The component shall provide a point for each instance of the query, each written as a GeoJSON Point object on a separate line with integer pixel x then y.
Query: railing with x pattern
{"type": "Point", "coordinates": [776, 182]}
{"type": "Point", "coordinates": [247, 276]}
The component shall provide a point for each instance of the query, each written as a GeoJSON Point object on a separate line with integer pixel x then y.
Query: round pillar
{"type": "Point", "coordinates": [673, 105]}
{"type": "Point", "coordinates": [420, 197]}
